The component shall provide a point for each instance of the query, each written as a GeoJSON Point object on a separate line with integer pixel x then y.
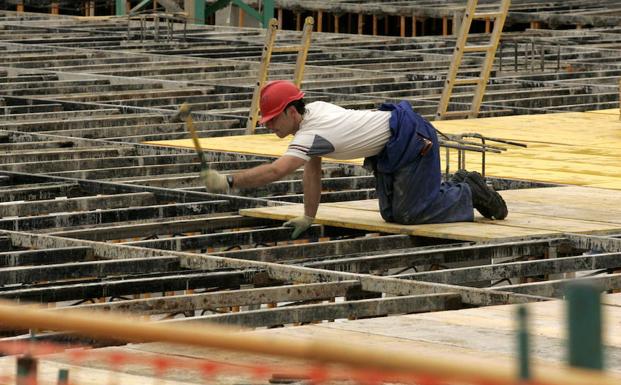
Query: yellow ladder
{"type": "Point", "coordinates": [452, 80]}
{"type": "Point", "coordinates": [268, 49]}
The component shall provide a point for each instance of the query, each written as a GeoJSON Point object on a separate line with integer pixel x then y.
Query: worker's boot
{"type": "Point", "coordinates": [459, 176]}
{"type": "Point", "coordinates": [487, 201]}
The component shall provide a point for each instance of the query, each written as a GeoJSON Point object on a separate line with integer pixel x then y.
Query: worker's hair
{"type": "Point", "coordinates": [300, 106]}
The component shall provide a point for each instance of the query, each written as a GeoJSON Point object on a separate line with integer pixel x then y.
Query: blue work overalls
{"type": "Point", "coordinates": [409, 184]}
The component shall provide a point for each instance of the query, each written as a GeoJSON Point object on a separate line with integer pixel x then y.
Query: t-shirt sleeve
{"type": "Point", "coordinates": [306, 145]}
{"type": "Point", "coordinates": [300, 146]}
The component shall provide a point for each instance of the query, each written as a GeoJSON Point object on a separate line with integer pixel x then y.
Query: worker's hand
{"type": "Point", "coordinates": [300, 225]}
{"type": "Point", "coordinates": [214, 181]}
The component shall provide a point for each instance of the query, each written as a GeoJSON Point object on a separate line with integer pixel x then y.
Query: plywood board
{"type": "Point", "coordinates": [260, 144]}
{"type": "Point", "coordinates": [372, 221]}
{"type": "Point", "coordinates": [579, 148]}
{"type": "Point", "coordinates": [532, 212]}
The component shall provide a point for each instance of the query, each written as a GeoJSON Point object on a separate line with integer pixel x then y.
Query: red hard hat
{"type": "Point", "coordinates": [275, 96]}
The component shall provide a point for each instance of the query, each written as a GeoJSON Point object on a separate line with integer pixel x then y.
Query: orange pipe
{"type": "Point", "coordinates": [445, 366]}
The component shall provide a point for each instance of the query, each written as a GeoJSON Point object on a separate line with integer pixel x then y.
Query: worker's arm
{"type": "Point", "coordinates": [312, 196]}
{"type": "Point", "coordinates": [254, 177]}
{"type": "Point", "coordinates": [267, 173]}
{"type": "Point", "coordinates": [312, 186]}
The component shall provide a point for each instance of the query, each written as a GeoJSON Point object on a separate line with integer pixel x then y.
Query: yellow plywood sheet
{"type": "Point", "coordinates": [578, 148]}
{"type": "Point", "coordinates": [372, 221]}
{"type": "Point", "coordinates": [532, 212]}
{"type": "Point", "coordinates": [261, 144]}
{"type": "Point", "coordinates": [611, 111]}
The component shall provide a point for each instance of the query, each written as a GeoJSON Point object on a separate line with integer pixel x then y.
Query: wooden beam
{"type": "Point", "coordinates": [360, 23]}
{"type": "Point", "coordinates": [374, 25]}
{"type": "Point", "coordinates": [413, 26]}
{"type": "Point", "coordinates": [402, 25]}
{"type": "Point", "coordinates": [241, 14]}
{"type": "Point", "coordinates": [319, 21]}
{"type": "Point", "coordinates": [444, 26]}
{"type": "Point", "coordinates": [279, 12]}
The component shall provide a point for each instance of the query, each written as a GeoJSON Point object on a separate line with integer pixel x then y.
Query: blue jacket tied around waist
{"type": "Point", "coordinates": [409, 183]}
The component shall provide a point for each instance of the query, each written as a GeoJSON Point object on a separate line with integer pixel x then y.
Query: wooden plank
{"type": "Point", "coordinates": [259, 144]}
{"type": "Point", "coordinates": [532, 211]}
{"type": "Point", "coordinates": [560, 148]}
{"type": "Point", "coordinates": [372, 221]}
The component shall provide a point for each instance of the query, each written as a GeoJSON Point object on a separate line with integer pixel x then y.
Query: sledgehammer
{"type": "Point", "coordinates": [184, 115]}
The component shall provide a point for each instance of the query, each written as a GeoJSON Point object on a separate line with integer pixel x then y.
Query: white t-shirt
{"type": "Point", "coordinates": [336, 132]}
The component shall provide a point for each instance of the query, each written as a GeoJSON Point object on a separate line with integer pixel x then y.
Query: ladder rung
{"type": "Point", "coordinates": [287, 48]}
{"type": "Point", "coordinates": [462, 82]}
{"type": "Point", "coordinates": [486, 15]}
{"type": "Point", "coordinates": [478, 48]}
{"type": "Point", "coordinates": [455, 113]}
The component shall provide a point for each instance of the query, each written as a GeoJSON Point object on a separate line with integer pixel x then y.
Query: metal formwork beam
{"type": "Point", "coordinates": [520, 269]}
{"type": "Point", "coordinates": [26, 275]}
{"type": "Point", "coordinates": [482, 253]}
{"type": "Point", "coordinates": [331, 311]}
{"type": "Point", "coordinates": [40, 192]}
{"type": "Point", "coordinates": [235, 239]}
{"type": "Point", "coordinates": [244, 297]}
{"type": "Point", "coordinates": [286, 273]}
{"type": "Point", "coordinates": [556, 288]}
{"type": "Point", "coordinates": [41, 257]}
{"type": "Point", "coordinates": [22, 209]}
{"type": "Point", "coordinates": [197, 223]}
{"type": "Point", "coordinates": [595, 243]}
{"type": "Point", "coordinates": [66, 220]}
{"type": "Point", "coordinates": [81, 290]}
{"type": "Point", "coordinates": [329, 249]}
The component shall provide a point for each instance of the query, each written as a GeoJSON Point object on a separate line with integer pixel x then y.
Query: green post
{"type": "Point", "coordinates": [585, 326]}
{"type": "Point", "coordinates": [63, 377]}
{"type": "Point", "coordinates": [523, 344]}
{"type": "Point", "coordinates": [26, 370]}
{"type": "Point", "coordinates": [199, 12]}
{"type": "Point", "coordinates": [121, 7]}
{"type": "Point", "coordinates": [268, 12]}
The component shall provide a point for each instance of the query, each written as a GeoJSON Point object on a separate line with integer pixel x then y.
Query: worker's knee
{"type": "Point", "coordinates": [405, 217]}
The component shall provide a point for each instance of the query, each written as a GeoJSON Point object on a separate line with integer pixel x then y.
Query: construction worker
{"type": "Point", "coordinates": [399, 146]}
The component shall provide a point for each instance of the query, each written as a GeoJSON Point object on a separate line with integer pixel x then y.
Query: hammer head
{"type": "Point", "coordinates": [182, 114]}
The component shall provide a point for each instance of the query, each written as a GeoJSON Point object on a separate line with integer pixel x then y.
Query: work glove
{"type": "Point", "coordinates": [300, 225]}
{"type": "Point", "coordinates": [214, 181]}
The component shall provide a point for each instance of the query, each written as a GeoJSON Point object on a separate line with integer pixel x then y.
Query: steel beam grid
{"type": "Point", "coordinates": [121, 225]}
{"type": "Point", "coordinates": [390, 57]}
